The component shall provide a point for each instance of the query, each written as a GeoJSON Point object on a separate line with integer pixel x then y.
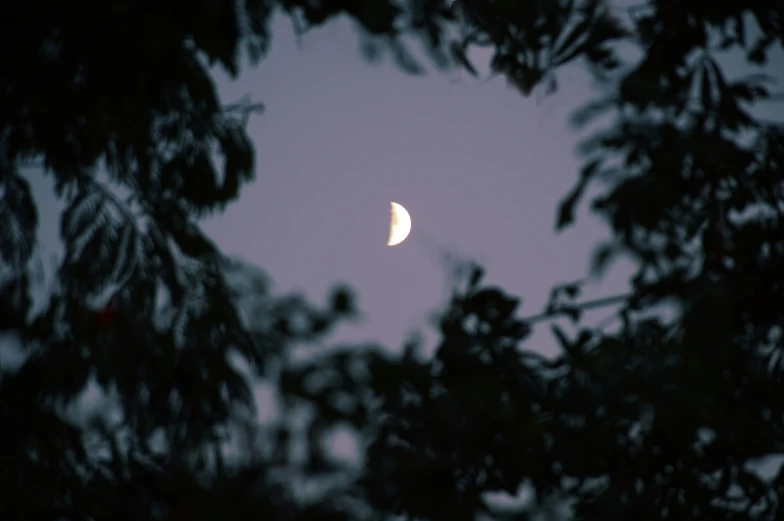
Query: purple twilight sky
{"type": "Point", "coordinates": [480, 169]}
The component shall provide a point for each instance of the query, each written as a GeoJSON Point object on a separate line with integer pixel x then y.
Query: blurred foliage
{"type": "Point", "coordinates": [661, 418]}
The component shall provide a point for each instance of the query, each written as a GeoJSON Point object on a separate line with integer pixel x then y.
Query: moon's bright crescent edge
{"type": "Point", "coordinates": [400, 224]}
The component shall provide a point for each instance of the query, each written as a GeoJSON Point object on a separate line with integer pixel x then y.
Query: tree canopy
{"type": "Point", "coordinates": [659, 418]}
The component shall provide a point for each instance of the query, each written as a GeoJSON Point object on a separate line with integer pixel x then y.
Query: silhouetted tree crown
{"type": "Point", "coordinates": [660, 417]}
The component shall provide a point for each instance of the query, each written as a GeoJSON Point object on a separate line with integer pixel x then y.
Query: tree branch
{"type": "Point", "coordinates": [590, 304]}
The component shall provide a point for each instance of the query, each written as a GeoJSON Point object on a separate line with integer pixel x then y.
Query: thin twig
{"type": "Point", "coordinates": [591, 304]}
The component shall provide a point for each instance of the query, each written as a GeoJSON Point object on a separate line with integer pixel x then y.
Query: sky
{"type": "Point", "coordinates": [480, 168]}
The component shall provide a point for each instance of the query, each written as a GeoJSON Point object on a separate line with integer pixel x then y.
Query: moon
{"type": "Point", "coordinates": [399, 226]}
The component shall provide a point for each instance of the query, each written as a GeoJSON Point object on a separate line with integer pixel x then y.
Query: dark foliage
{"type": "Point", "coordinates": [658, 419]}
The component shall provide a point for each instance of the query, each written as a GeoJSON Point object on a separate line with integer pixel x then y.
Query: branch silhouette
{"type": "Point", "coordinates": [555, 312]}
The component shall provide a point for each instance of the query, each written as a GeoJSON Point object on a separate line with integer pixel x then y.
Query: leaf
{"type": "Point", "coordinates": [716, 75]}
{"type": "Point", "coordinates": [759, 52]}
{"type": "Point", "coordinates": [524, 78]}
{"type": "Point", "coordinates": [573, 312]}
{"type": "Point", "coordinates": [590, 111]}
{"type": "Point", "coordinates": [82, 212]}
{"type": "Point", "coordinates": [126, 252]}
{"type": "Point", "coordinates": [751, 87]}
{"type": "Point", "coordinates": [199, 180]}
{"type": "Point", "coordinates": [457, 51]}
{"type": "Point", "coordinates": [566, 208]}
{"type": "Point", "coordinates": [740, 29]}
{"type": "Point", "coordinates": [602, 257]}
{"type": "Point", "coordinates": [563, 340]}
{"type": "Point", "coordinates": [193, 243]}
{"type": "Point", "coordinates": [342, 302]}
{"type": "Point", "coordinates": [405, 60]}
{"type": "Point", "coordinates": [18, 221]}
{"type": "Point", "coordinates": [15, 303]}
{"type": "Point", "coordinates": [477, 272]}
{"type": "Point", "coordinates": [567, 50]}
{"type": "Point", "coordinates": [572, 290]}
{"type": "Point", "coordinates": [101, 248]}
{"type": "Point", "coordinates": [706, 91]}
{"type": "Point", "coordinates": [238, 157]}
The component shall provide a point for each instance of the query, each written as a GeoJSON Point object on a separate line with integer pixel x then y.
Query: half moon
{"type": "Point", "coordinates": [400, 225]}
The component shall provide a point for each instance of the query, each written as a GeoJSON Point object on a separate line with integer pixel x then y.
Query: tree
{"type": "Point", "coordinates": [117, 102]}
{"type": "Point", "coordinates": [663, 417]}
{"type": "Point", "coordinates": [657, 419]}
